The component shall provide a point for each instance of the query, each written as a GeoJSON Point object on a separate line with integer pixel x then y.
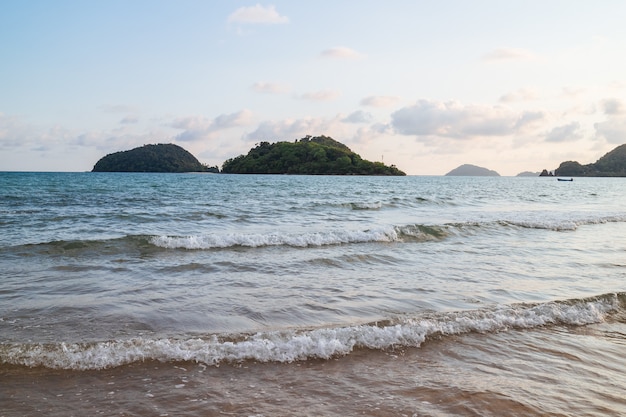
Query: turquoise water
{"type": "Point", "coordinates": [105, 271]}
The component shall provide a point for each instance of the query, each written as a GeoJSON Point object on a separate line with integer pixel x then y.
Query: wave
{"type": "Point", "coordinates": [337, 237]}
{"type": "Point", "coordinates": [565, 224]}
{"type": "Point", "coordinates": [382, 234]}
{"type": "Point", "coordinates": [389, 234]}
{"type": "Point", "coordinates": [322, 343]}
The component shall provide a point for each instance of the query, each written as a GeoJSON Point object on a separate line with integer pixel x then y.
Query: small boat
{"type": "Point", "coordinates": [565, 179]}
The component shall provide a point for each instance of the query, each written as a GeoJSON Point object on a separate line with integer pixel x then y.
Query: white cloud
{"type": "Point", "coordinates": [379, 101]}
{"type": "Point", "coordinates": [199, 128]}
{"type": "Point", "coordinates": [341, 52]}
{"type": "Point", "coordinates": [358, 116]}
{"type": "Point", "coordinates": [257, 14]}
{"type": "Point", "coordinates": [508, 54]}
{"type": "Point", "coordinates": [455, 120]}
{"type": "Point", "coordinates": [289, 129]}
{"type": "Point", "coordinates": [613, 106]}
{"type": "Point", "coordinates": [572, 92]}
{"type": "Point", "coordinates": [270, 88]}
{"type": "Point", "coordinates": [323, 95]}
{"type": "Point", "coordinates": [225, 121]}
{"type": "Point", "coordinates": [523, 94]}
{"type": "Point", "coordinates": [530, 119]}
{"type": "Point", "coordinates": [612, 130]}
{"type": "Point", "coordinates": [129, 120]}
{"type": "Point", "coordinates": [565, 133]}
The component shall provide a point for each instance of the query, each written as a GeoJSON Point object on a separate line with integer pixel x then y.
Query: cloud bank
{"type": "Point", "coordinates": [453, 119]}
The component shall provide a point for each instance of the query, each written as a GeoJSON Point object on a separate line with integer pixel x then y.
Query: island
{"type": "Point", "coordinates": [152, 158]}
{"type": "Point", "coordinates": [469, 170]}
{"type": "Point", "coordinates": [528, 174]}
{"type": "Point", "coordinates": [319, 155]}
{"type": "Point", "coordinates": [613, 164]}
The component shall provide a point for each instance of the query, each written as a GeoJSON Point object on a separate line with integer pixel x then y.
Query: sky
{"type": "Point", "coordinates": [511, 85]}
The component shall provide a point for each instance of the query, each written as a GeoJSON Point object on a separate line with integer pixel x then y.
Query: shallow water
{"type": "Point", "coordinates": [148, 294]}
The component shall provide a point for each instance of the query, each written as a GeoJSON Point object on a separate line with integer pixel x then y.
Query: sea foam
{"type": "Point", "coordinates": [276, 239]}
{"type": "Point", "coordinates": [296, 344]}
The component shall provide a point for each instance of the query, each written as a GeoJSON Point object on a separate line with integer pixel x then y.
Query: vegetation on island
{"type": "Point", "coordinates": [152, 158]}
{"type": "Point", "coordinates": [613, 164]}
{"type": "Point", "coordinates": [319, 155]}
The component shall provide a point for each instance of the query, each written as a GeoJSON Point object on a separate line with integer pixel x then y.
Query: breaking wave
{"type": "Point", "coordinates": [323, 343]}
{"type": "Point", "coordinates": [338, 237]}
{"type": "Point", "coordinates": [382, 234]}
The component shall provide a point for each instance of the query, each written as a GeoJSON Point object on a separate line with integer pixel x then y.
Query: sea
{"type": "Point", "coordinates": [141, 294]}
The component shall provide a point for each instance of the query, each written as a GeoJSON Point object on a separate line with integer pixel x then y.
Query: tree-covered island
{"type": "Point", "coordinates": [152, 158]}
{"type": "Point", "coordinates": [319, 155]}
{"type": "Point", "coordinates": [613, 164]}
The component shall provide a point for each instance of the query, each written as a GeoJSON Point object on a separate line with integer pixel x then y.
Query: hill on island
{"type": "Point", "coordinates": [152, 158]}
{"type": "Point", "coordinates": [320, 155]}
{"type": "Point", "coordinates": [469, 170]}
{"type": "Point", "coordinates": [613, 164]}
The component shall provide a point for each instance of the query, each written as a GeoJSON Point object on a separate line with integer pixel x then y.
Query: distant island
{"type": "Point", "coordinates": [469, 170]}
{"type": "Point", "coordinates": [152, 158]}
{"type": "Point", "coordinates": [613, 164]}
{"type": "Point", "coordinates": [528, 174]}
{"type": "Point", "coordinates": [319, 155]}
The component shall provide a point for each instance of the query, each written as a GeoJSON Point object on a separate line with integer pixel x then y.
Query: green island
{"type": "Point", "coordinates": [152, 158]}
{"type": "Point", "coordinates": [319, 155]}
{"type": "Point", "coordinates": [613, 164]}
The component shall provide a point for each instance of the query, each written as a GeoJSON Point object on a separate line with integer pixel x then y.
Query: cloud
{"type": "Point", "coordinates": [257, 14]}
{"type": "Point", "coordinates": [612, 130]}
{"type": "Point", "coordinates": [508, 54]}
{"type": "Point", "coordinates": [288, 129]}
{"type": "Point", "coordinates": [10, 129]}
{"type": "Point", "coordinates": [129, 120]}
{"type": "Point", "coordinates": [523, 94]}
{"type": "Point", "coordinates": [379, 101]}
{"type": "Point", "coordinates": [455, 120]}
{"type": "Point", "coordinates": [613, 106]}
{"type": "Point", "coordinates": [225, 121]}
{"type": "Point", "coordinates": [358, 116]}
{"type": "Point", "coordinates": [16, 133]}
{"type": "Point", "coordinates": [572, 92]}
{"type": "Point", "coordinates": [341, 52]}
{"type": "Point", "coordinates": [323, 95]}
{"type": "Point", "coordinates": [199, 128]}
{"type": "Point", "coordinates": [565, 133]}
{"type": "Point", "coordinates": [617, 85]}
{"type": "Point", "coordinates": [269, 88]}
{"type": "Point", "coordinates": [529, 119]}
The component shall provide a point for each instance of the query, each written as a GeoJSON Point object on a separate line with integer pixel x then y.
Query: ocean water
{"type": "Point", "coordinates": [210, 295]}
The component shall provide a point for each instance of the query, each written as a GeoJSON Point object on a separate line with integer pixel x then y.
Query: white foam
{"type": "Point", "coordinates": [276, 239]}
{"type": "Point", "coordinates": [295, 345]}
{"type": "Point", "coordinates": [560, 224]}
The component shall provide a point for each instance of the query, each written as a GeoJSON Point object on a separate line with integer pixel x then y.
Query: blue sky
{"type": "Point", "coordinates": [427, 86]}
